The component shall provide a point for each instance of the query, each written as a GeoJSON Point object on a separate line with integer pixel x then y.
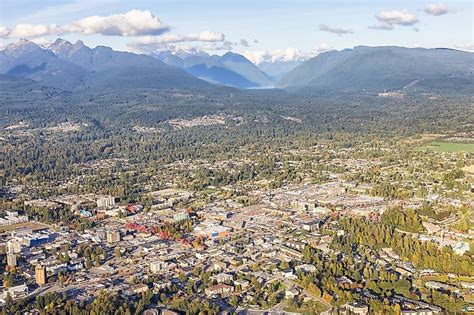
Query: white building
{"type": "Point", "coordinates": [12, 260]}
{"type": "Point", "coordinates": [14, 246]}
{"type": "Point", "coordinates": [461, 247]}
{"type": "Point", "coordinates": [16, 292]}
{"type": "Point", "coordinates": [104, 202]}
{"type": "Point", "coordinates": [157, 266]}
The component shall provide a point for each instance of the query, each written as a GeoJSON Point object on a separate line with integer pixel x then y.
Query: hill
{"type": "Point", "coordinates": [381, 68]}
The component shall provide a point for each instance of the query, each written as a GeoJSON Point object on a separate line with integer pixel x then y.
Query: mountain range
{"type": "Point", "coordinates": [382, 68]}
{"type": "Point", "coordinates": [75, 66]}
{"type": "Point", "coordinates": [229, 69]}
{"type": "Point", "coordinates": [70, 67]}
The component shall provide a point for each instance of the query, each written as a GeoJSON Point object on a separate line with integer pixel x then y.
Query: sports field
{"type": "Point", "coordinates": [449, 147]}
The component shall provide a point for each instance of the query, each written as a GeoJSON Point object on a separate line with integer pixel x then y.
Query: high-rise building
{"type": "Point", "coordinates": [40, 272]}
{"type": "Point", "coordinates": [113, 236]}
{"type": "Point", "coordinates": [12, 260]}
{"type": "Point", "coordinates": [14, 246]}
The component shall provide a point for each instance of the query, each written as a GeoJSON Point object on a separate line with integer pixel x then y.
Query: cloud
{"type": "Point", "coordinates": [283, 55]}
{"type": "Point", "coordinates": [383, 27]}
{"type": "Point", "coordinates": [4, 32]}
{"type": "Point", "coordinates": [132, 23]}
{"type": "Point", "coordinates": [335, 30]}
{"type": "Point", "coordinates": [151, 43]}
{"type": "Point", "coordinates": [227, 45]}
{"type": "Point", "coordinates": [387, 19]}
{"type": "Point", "coordinates": [259, 56]}
{"type": "Point", "coordinates": [436, 9]}
{"type": "Point", "coordinates": [468, 47]}
{"type": "Point", "coordinates": [321, 48]}
{"type": "Point", "coordinates": [206, 36]}
{"type": "Point", "coordinates": [36, 30]}
{"type": "Point", "coordinates": [244, 43]}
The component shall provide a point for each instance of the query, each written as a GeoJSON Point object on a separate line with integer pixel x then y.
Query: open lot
{"type": "Point", "coordinates": [449, 147]}
{"type": "Point", "coordinates": [35, 226]}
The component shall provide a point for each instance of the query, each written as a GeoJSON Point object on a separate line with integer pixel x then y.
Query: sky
{"type": "Point", "coordinates": [262, 30]}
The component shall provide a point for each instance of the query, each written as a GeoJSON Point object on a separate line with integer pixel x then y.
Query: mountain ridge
{"type": "Point", "coordinates": [229, 69]}
{"type": "Point", "coordinates": [73, 66]}
{"type": "Point", "coordinates": [377, 68]}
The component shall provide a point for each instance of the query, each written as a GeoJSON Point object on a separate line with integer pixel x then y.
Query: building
{"type": "Point", "coordinates": [157, 266]}
{"type": "Point", "coordinates": [306, 268]}
{"type": "Point", "coordinates": [35, 239]}
{"type": "Point", "coordinates": [460, 248]}
{"type": "Point", "coordinates": [437, 285]}
{"type": "Point", "coordinates": [212, 231]}
{"type": "Point", "coordinates": [222, 278]}
{"type": "Point", "coordinates": [16, 292]}
{"type": "Point", "coordinates": [40, 275]}
{"type": "Point", "coordinates": [12, 260]}
{"type": "Point", "coordinates": [113, 236]}
{"type": "Point", "coordinates": [219, 289]}
{"type": "Point", "coordinates": [12, 218]}
{"type": "Point", "coordinates": [357, 308]}
{"type": "Point", "coordinates": [14, 246]}
{"type": "Point", "coordinates": [181, 216]}
{"type": "Point", "coordinates": [419, 312]}
{"type": "Point", "coordinates": [105, 202]}
{"type": "Point", "coordinates": [139, 288]}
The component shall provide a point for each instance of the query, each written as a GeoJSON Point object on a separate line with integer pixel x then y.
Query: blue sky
{"type": "Point", "coordinates": [259, 29]}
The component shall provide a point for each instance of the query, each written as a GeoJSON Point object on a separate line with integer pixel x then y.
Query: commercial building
{"type": "Point", "coordinates": [14, 246]}
{"type": "Point", "coordinates": [113, 236]}
{"type": "Point", "coordinates": [180, 216]}
{"type": "Point", "coordinates": [12, 260]}
{"type": "Point", "coordinates": [357, 308]}
{"type": "Point", "coordinates": [34, 239]}
{"type": "Point", "coordinates": [16, 292]}
{"type": "Point", "coordinates": [40, 275]}
{"type": "Point", "coordinates": [157, 266]}
{"type": "Point", "coordinates": [221, 289]}
{"type": "Point", "coordinates": [104, 202]}
{"type": "Point", "coordinates": [214, 231]}
{"type": "Point", "coordinates": [12, 218]}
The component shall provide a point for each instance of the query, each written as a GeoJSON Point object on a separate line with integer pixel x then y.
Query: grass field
{"type": "Point", "coordinates": [310, 307]}
{"type": "Point", "coordinates": [449, 147]}
{"type": "Point", "coordinates": [31, 224]}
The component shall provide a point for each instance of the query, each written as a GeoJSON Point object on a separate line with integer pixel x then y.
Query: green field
{"type": "Point", "coordinates": [449, 147]}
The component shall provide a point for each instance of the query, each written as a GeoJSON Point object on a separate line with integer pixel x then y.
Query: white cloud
{"type": "Point", "coordinates": [468, 47]}
{"type": "Point", "coordinates": [35, 30]}
{"type": "Point", "coordinates": [132, 23]}
{"type": "Point", "coordinates": [398, 17]}
{"type": "Point", "coordinates": [151, 43]}
{"type": "Point", "coordinates": [436, 9]}
{"type": "Point", "coordinates": [4, 32]}
{"type": "Point", "coordinates": [387, 19]}
{"type": "Point", "coordinates": [284, 55]}
{"type": "Point", "coordinates": [321, 48]}
{"type": "Point", "coordinates": [335, 30]}
{"type": "Point", "coordinates": [216, 46]}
